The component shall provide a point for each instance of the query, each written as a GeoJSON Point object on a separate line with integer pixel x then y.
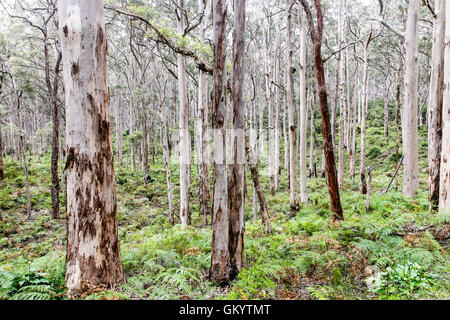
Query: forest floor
{"type": "Point", "coordinates": [397, 250]}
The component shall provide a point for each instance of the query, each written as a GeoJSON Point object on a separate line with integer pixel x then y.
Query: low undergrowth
{"type": "Point", "coordinates": [397, 250]}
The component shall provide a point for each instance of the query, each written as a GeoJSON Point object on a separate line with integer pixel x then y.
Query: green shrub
{"type": "Point", "coordinates": [402, 281]}
{"type": "Point", "coordinates": [253, 283]}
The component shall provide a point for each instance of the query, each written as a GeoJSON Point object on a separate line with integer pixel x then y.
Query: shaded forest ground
{"type": "Point", "coordinates": [396, 251]}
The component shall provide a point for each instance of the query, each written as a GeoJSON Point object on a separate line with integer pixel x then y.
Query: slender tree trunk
{"type": "Point", "coordinates": [118, 132]}
{"type": "Point", "coordinates": [166, 155]}
{"type": "Point", "coordinates": [348, 115]}
{"type": "Point", "coordinates": [236, 183]}
{"type": "Point", "coordinates": [364, 104]}
{"type": "Point", "coordinates": [444, 186]}
{"type": "Point", "coordinates": [303, 112]}
{"type": "Point", "coordinates": [253, 164]}
{"type": "Point", "coordinates": [369, 188]}
{"type": "Point", "coordinates": [132, 145]}
{"type": "Point", "coordinates": [270, 96]}
{"type": "Point", "coordinates": [202, 140]}
{"type": "Point", "coordinates": [397, 115]}
{"type": "Point", "coordinates": [386, 107]}
{"type": "Point", "coordinates": [435, 104]}
{"type": "Point", "coordinates": [291, 116]}
{"type": "Point", "coordinates": [276, 121]}
{"type": "Point", "coordinates": [285, 141]}
{"type": "Point", "coordinates": [185, 144]}
{"type": "Point", "coordinates": [53, 92]}
{"type": "Point", "coordinates": [341, 93]}
{"type": "Point", "coordinates": [312, 145]}
{"type": "Point", "coordinates": [335, 104]}
{"type": "Point", "coordinates": [354, 123]}
{"type": "Point", "coordinates": [409, 114]}
{"type": "Point", "coordinates": [93, 253]}
{"type": "Point", "coordinates": [144, 139]}
{"type": "Point", "coordinates": [220, 255]}
{"type": "Point", "coordinates": [316, 37]}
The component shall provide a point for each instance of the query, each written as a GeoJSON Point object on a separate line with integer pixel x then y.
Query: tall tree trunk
{"type": "Point", "coordinates": [236, 183]}
{"type": "Point", "coordinates": [386, 106]}
{"type": "Point", "coordinates": [341, 93]}
{"type": "Point", "coordinates": [312, 140]}
{"type": "Point", "coordinates": [435, 104]}
{"type": "Point", "coordinates": [118, 131]}
{"type": "Point", "coordinates": [444, 186]}
{"type": "Point", "coordinates": [185, 141]}
{"type": "Point", "coordinates": [352, 154]}
{"type": "Point", "coordinates": [397, 115]}
{"type": "Point", "coordinates": [144, 139]}
{"type": "Point", "coordinates": [334, 106]}
{"type": "Point", "coordinates": [285, 141]}
{"type": "Point", "coordinates": [220, 255]}
{"type": "Point", "coordinates": [291, 116]}
{"type": "Point", "coordinates": [253, 164]}
{"type": "Point", "coordinates": [93, 253]}
{"type": "Point", "coordinates": [53, 93]}
{"type": "Point", "coordinates": [276, 121]}
{"type": "Point", "coordinates": [364, 104]}
{"type": "Point", "coordinates": [270, 109]}
{"type": "Point", "coordinates": [202, 140]}
{"type": "Point", "coordinates": [409, 114]}
{"type": "Point", "coordinates": [166, 155]}
{"type": "Point", "coordinates": [303, 112]}
{"type": "Point", "coordinates": [316, 37]}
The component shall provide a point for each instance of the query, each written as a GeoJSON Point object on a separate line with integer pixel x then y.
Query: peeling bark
{"type": "Point", "coordinates": [236, 180]}
{"type": "Point", "coordinates": [93, 255]}
{"type": "Point", "coordinates": [409, 114]}
{"type": "Point", "coordinates": [220, 255]}
{"type": "Point", "coordinates": [435, 105]}
{"type": "Point", "coordinates": [444, 186]}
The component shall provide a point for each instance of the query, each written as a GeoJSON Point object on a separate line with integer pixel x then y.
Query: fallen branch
{"type": "Point", "coordinates": [395, 174]}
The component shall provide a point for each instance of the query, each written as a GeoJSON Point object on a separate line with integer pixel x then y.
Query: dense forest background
{"type": "Point", "coordinates": [333, 117]}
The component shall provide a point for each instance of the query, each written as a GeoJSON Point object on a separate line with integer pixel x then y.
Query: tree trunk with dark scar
{"type": "Point", "coordinates": [93, 255]}
{"type": "Point", "coordinates": [330, 164]}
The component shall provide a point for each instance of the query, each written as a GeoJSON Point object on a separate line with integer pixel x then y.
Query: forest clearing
{"type": "Point", "coordinates": [224, 150]}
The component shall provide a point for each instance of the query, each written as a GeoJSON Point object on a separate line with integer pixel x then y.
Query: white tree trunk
{"type": "Point", "coordinates": [435, 104]}
{"type": "Point", "coordinates": [362, 168]}
{"type": "Point", "coordinates": [185, 141]}
{"type": "Point", "coordinates": [291, 117]}
{"type": "Point", "coordinates": [220, 255]}
{"type": "Point", "coordinates": [269, 99]}
{"type": "Point", "coordinates": [341, 92]}
{"type": "Point", "coordinates": [444, 186]}
{"type": "Point", "coordinates": [303, 108]}
{"type": "Point", "coordinates": [93, 255]}
{"type": "Point", "coordinates": [409, 114]}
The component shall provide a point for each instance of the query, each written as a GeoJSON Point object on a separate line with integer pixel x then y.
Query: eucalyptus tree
{"type": "Point", "coordinates": [409, 114]}
{"type": "Point", "coordinates": [435, 103]}
{"type": "Point", "coordinates": [237, 174]}
{"type": "Point", "coordinates": [341, 90]}
{"type": "Point", "coordinates": [93, 253]}
{"type": "Point", "coordinates": [316, 34]}
{"type": "Point", "coordinates": [444, 183]}
{"type": "Point", "coordinates": [220, 255]}
{"type": "Point", "coordinates": [303, 112]}
{"type": "Point", "coordinates": [293, 196]}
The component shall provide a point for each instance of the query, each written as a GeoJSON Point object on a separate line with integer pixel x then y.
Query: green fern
{"type": "Point", "coordinates": [35, 292]}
